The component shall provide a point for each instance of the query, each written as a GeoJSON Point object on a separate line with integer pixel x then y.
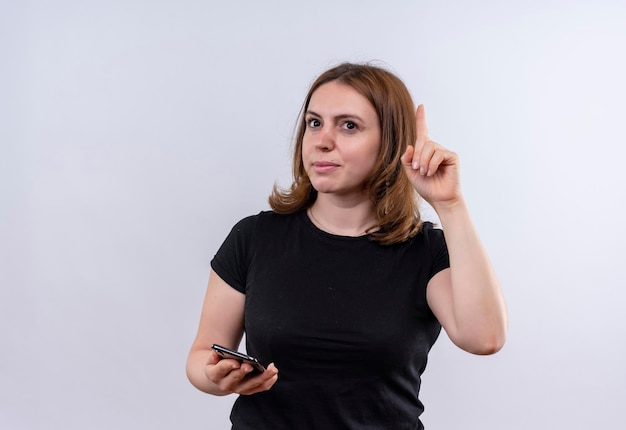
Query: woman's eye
{"type": "Point", "coordinates": [349, 125]}
{"type": "Point", "coordinates": [313, 122]}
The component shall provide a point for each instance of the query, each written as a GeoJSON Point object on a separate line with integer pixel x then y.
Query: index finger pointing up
{"type": "Point", "coordinates": [420, 121]}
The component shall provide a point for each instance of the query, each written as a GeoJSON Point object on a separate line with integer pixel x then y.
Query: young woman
{"type": "Point", "coordinates": [342, 286]}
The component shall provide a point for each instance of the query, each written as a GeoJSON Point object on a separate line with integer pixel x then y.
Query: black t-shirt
{"type": "Point", "coordinates": [345, 319]}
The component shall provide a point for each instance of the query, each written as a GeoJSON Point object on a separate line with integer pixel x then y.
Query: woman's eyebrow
{"type": "Point", "coordinates": [336, 117]}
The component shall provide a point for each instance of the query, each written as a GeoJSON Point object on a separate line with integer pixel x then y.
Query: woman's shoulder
{"type": "Point", "coordinates": [253, 230]}
{"type": "Point", "coordinates": [428, 228]}
{"type": "Point", "coordinates": [264, 219]}
{"type": "Point", "coordinates": [429, 235]}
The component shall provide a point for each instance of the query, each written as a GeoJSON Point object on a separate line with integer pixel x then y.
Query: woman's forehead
{"type": "Point", "coordinates": [336, 98]}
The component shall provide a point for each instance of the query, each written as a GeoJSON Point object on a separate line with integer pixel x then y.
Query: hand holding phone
{"type": "Point", "coordinates": [224, 352]}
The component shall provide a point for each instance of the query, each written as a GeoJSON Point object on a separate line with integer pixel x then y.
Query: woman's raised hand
{"type": "Point", "coordinates": [432, 169]}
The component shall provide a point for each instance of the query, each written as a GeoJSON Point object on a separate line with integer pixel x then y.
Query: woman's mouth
{"type": "Point", "coordinates": [324, 166]}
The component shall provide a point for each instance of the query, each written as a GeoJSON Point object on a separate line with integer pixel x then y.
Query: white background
{"type": "Point", "coordinates": [134, 134]}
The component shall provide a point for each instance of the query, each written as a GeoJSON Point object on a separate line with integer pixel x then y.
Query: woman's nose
{"type": "Point", "coordinates": [326, 139]}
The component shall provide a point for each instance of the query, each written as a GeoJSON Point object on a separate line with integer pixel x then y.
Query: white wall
{"type": "Point", "coordinates": [135, 133]}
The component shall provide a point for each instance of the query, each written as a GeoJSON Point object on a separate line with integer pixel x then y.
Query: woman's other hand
{"type": "Point", "coordinates": [230, 376]}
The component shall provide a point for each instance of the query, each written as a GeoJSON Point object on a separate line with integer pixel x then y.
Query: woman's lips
{"type": "Point", "coordinates": [324, 166]}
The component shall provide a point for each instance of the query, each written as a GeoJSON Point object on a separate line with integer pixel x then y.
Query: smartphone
{"type": "Point", "coordinates": [239, 356]}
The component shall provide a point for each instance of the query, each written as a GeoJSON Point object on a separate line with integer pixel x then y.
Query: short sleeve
{"type": "Point", "coordinates": [438, 250]}
{"type": "Point", "coordinates": [232, 259]}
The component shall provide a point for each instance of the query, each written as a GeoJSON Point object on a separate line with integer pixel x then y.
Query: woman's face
{"type": "Point", "coordinates": [341, 141]}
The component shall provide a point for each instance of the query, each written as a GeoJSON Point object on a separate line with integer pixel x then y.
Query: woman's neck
{"type": "Point", "coordinates": [343, 218]}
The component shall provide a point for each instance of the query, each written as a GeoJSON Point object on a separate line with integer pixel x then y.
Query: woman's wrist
{"type": "Point", "coordinates": [449, 207]}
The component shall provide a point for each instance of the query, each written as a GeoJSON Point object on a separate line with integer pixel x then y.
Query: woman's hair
{"type": "Point", "coordinates": [394, 198]}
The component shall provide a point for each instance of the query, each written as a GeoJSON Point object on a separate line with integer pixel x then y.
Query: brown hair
{"type": "Point", "coordinates": [394, 198]}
